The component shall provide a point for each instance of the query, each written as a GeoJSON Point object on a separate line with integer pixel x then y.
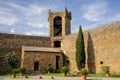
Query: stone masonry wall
{"type": "Point", "coordinates": [44, 59]}
{"type": "Point", "coordinates": [101, 46]}
{"type": "Point", "coordinates": [68, 47]}
{"type": "Point", "coordinates": [12, 42]}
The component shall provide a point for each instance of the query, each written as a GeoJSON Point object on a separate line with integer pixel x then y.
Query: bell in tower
{"type": "Point", "coordinates": [59, 23]}
{"type": "Point", "coordinates": [57, 26]}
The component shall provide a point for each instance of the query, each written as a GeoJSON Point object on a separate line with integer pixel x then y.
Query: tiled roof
{"type": "Point", "coordinates": [42, 49]}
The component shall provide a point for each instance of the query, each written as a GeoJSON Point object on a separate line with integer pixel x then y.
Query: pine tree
{"type": "Point", "coordinates": [80, 51]}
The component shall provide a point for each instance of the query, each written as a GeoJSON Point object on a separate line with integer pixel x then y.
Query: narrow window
{"type": "Point", "coordinates": [36, 66]}
{"type": "Point", "coordinates": [57, 62]}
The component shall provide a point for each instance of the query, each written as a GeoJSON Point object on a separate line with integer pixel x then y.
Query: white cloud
{"type": "Point", "coordinates": [32, 15]}
{"type": "Point", "coordinates": [29, 10]}
{"type": "Point", "coordinates": [37, 24]}
{"type": "Point", "coordinates": [112, 18]}
{"type": "Point", "coordinates": [7, 18]}
{"type": "Point", "coordinates": [36, 33]}
{"type": "Point", "coordinates": [36, 10]}
{"type": "Point", "coordinates": [94, 12]}
{"type": "Point", "coordinates": [5, 9]}
{"type": "Point", "coordinates": [117, 17]}
{"type": "Point", "coordinates": [12, 30]}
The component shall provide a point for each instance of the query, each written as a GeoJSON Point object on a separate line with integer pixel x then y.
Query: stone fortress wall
{"type": "Point", "coordinates": [101, 46]}
{"type": "Point", "coordinates": [13, 42]}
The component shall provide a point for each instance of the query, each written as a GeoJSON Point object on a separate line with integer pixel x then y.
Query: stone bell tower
{"type": "Point", "coordinates": [59, 23]}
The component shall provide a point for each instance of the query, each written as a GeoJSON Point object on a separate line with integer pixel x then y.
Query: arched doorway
{"type": "Point", "coordinates": [68, 64]}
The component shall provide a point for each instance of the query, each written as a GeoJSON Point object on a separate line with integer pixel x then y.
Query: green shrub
{"type": "Point", "coordinates": [64, 69]}
{"type": "Point", "coordinates": [83, 71]}
{"type": "Point", "coordinates": [49, 68]}
{"type": "Point", "coordinates": [14, 71]}
{"type": "Point", "coordinates": [11, 60]}
{"type": "Point", "coordinates": [22, 69]}
{"type": "Point", "coordinates": [106, 69]}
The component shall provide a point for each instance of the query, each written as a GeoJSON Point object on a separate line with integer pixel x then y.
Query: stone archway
{"type": "Point", "coordinates": [57, 26]}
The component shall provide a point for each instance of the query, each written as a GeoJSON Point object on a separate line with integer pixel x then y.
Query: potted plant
{"type": "Point", "coordinates": [106, 70]}
{"type": "Point", "coordinates": [49, 69]}
{"type": "Point", "coordinates": [15, 71]}
{"type": "Point", "coordinates": [83, 72]}
{"type": "Point", "coordinates": [22, 71]}
{"type": "Point", "coordinates": [64, 70]}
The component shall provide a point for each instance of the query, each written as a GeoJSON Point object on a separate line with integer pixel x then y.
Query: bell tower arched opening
{"type": "Point", "coordinates": [59, 23]}
{"type": "Point", "coordinates": [57, 26]}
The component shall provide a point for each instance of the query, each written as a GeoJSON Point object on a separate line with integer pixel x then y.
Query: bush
{"type": "Point", "coordinates": [64, 69]}
{"type": "Point", "coordinates": [83, 71]}
{"type": "Point", "coordinates": [11, 60]}
{"type": "Point", "coordinates": [14, 71]}
{"type": "Point", "coordinates": [49, 68]}
{"type": "Point", "coordinates": [22, 69]}
{"type": "Point", "coordinates": [106, 69]}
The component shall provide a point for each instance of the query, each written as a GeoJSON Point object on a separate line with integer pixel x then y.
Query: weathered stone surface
{"type": "Point", "coordinates": [101, 46]}
{"type": "Point", "coordinates": [13, 42]}
{"type": "Point", "coordinates": [65, 22]}
{"type": "Point", "coordinates": [44, 56]}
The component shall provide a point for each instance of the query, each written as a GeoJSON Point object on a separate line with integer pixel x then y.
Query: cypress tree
{"type": "Point", "coordinates": [80, 50]}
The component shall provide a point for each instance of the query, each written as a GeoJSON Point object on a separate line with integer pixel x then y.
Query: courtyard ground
{"type": "Point", "coordinates": [55, 78]}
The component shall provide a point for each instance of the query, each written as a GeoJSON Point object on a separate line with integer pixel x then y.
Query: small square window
{"type": "Point", "coordinates": [101, 62]}
{"type": "Point", "coordinates": [57, 44]}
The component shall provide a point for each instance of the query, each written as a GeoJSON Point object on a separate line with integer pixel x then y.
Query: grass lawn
{"type": "Point", "coordinates": [89, 75]}
{"type": "Point", "coordinates": [52, 74]}
{"type": "Point", "coordinates": [68, 75]}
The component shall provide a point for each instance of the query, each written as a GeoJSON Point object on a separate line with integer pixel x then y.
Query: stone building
{"type": "Point", "coordinates": [36, 59]}
{"type": "Point", "coordinates": [35, 53]}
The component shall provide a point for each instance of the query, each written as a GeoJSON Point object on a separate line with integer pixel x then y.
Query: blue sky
{"type": "Point", "coordinates": [29, 17]}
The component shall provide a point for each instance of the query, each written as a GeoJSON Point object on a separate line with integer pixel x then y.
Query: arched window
{"type": "Point", "coordinates": [57, 26]}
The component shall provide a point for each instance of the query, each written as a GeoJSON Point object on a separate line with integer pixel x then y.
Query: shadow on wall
{"type": "Point", "coordinates": [67, 62]}
{"type": "Point", "coordinates": [91, 55]}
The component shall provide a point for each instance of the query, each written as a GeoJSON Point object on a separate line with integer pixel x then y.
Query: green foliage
{"type": "Point", "coordinates": [84, 71]}
{"type": "Point", "coordinates": [49, 68]}
{"type": "Point", "coordinates": [15, 71]}
{"type": "Point", "coordinates": [22, 69]}
{"type": "Point", "coordinates": [68, 75]}
{"type": "Point", "coordinates": [80, 52]}
{"type": "Point", "coordinates": [64, 69]}
{"type": "Point", "coordinates": [106, 69]}
{"type": "Point", "coordinates": [11, 60]}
